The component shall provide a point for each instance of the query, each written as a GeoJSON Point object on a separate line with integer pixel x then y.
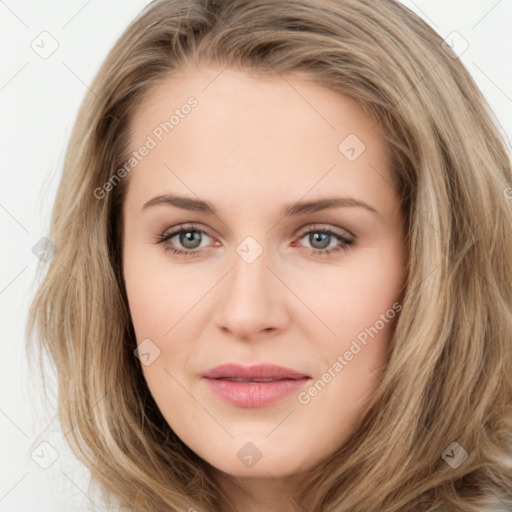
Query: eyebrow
{"type": "Point", "coordinates": [298, 208]}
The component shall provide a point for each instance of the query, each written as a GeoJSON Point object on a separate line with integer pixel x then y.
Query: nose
{"type": "Point", "coordinates": [252, 301]}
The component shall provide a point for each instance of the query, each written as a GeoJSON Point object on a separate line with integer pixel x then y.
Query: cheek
{"type": "Point", "coordinates": [359, 302]}
{"type": "Point", "coordinates": [159, 293]}
{"type": "Point", "coordinates": [149, 300]}
{"type": "Point", "coordinates": [349, 298]}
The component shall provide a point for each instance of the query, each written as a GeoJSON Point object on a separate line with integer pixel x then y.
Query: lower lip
{"type": "Point", "coordinates": [254, 394]}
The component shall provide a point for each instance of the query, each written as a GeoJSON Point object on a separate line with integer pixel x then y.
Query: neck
{"type": "Point", "coordinates": [258, 494]}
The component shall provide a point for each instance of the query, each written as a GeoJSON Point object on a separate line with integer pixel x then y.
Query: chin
{"type": "Point", "coordinates": [250, 461]}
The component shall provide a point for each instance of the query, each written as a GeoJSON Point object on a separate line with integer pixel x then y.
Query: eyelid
{"type": "Point", "coordinates": [327, 227]}
{"type": "Point", "coordinates": [191, 226]}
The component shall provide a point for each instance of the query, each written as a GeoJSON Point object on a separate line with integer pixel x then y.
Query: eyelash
{"type": "Point", "coordinates": [347, 244]}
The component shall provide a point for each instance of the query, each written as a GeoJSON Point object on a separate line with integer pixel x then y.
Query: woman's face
{"type": "Point", "coordinates": [284, 265]}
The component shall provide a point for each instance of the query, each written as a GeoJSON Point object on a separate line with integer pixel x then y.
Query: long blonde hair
{"type": "Point", "coordinates": [448, 383]}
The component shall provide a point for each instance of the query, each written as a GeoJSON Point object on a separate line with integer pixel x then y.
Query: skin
{"type": "Point", "coordinates": [251, 146]}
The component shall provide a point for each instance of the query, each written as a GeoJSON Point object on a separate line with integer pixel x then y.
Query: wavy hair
{"type": "Point", "coordinates": [449, 375]}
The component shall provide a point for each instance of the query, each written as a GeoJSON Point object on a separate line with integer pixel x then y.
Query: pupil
{"type": "Point", "coordinates": [319, 237]}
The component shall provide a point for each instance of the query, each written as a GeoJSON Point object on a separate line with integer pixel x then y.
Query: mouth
{"type": "Point", "coordinates": [255, 386]}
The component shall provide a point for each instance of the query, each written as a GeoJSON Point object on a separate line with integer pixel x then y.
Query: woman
{"type": "Point", "coordinates": [288, 229]}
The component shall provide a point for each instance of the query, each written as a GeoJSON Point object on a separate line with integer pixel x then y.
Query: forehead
{"type": "Point", "coordinates": [244, 97]}
{"type": "Point", "coordinates": [255, 134]}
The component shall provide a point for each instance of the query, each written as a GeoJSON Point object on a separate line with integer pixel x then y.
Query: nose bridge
{"type": "Point", "coordinates": [251, 301]}
{"type": "Point", "coordinates": [249, 280]}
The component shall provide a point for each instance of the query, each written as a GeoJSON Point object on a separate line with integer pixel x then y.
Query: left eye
{"type": "Point", "coordinates": [190, 239]}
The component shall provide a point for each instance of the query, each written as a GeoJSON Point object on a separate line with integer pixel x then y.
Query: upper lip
{"type": "Point", "coordinates": [258, 371]}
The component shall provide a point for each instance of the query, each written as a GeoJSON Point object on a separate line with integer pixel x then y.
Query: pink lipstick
{"type": "Point", "coordinates": [254, 386]}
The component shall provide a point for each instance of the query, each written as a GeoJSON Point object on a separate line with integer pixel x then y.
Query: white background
{"type": "Point", "coordinates": [39, 99]}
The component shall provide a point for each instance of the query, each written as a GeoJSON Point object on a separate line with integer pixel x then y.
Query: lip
{"type": "Point", "coordinates": [257, 371]}
{"type": "Point", "coordinates": [250, 393]}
